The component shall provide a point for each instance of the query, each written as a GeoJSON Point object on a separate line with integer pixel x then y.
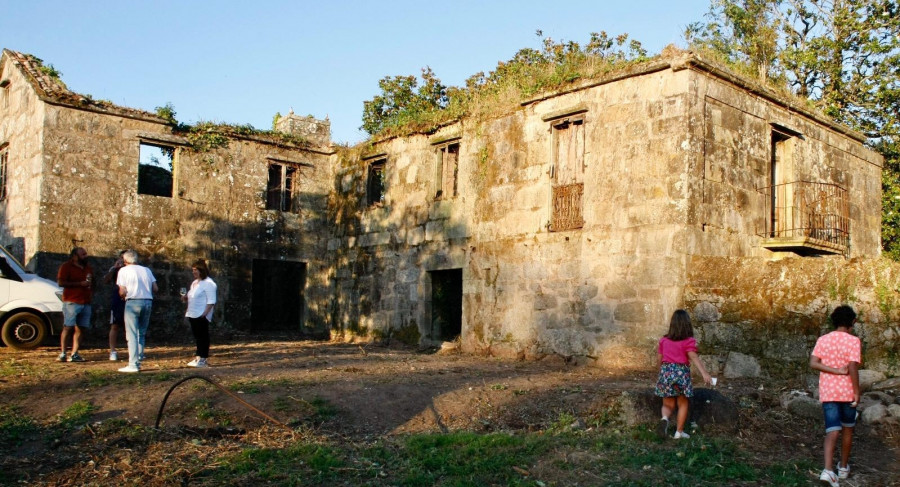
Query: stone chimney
{"type": "Point", "coordinates": [317, 132]}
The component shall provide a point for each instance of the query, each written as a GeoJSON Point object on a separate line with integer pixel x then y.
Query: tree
{"type": "Point", "coordinates": [400, 102]}
{"type": "Point", "coordinates": [843, 55]}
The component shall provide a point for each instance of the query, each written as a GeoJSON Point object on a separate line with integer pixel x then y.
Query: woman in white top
{"type": "Point", "coordinates": [200, 299]}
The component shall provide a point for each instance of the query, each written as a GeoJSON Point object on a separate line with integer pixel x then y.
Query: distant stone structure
{"type": "Point", "coordinates": [317, 132]}
{"type": "Point", "coordinates": [572, 226]}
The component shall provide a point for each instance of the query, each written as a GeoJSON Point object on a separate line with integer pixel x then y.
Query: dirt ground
{"type": "Point", "coordinates": [363, 392]}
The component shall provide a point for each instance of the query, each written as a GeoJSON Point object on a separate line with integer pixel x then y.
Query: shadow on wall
{"type": "Point", "coordinates": [384, 260]}
{"type": "Point", "coordinates": [277, 252]}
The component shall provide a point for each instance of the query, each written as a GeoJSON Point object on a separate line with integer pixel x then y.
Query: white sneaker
{"type": "Point", "coordinates": [681, 434]}
{"type": "Point", "coordinates": [828, 478]}
{"type": "Point", "coordinates": [130, 369]}
{"type": "Point", "coordinates": [193, 363]}
{"type": "Point", "coordinates": [843, 472]}
{"type": "Point", "coordinates": [201, 363]}
{"type": "Point", "coordinates": [113, 356]}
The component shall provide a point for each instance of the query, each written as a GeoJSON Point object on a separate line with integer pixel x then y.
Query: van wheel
{"type": "Point", "coordinates": [24, 331]}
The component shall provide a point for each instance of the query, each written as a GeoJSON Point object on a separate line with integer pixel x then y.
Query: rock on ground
{"type": "Point", "coordinates": [740, 365]}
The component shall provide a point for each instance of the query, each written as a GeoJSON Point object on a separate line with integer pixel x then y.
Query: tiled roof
{"type": "Point", "coordinates": [52, 90]}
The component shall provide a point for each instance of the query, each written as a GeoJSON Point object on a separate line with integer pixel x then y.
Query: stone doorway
{"type": "Point", "coordinates": [446, 304]}
{"type": "Point", "coordinates": [278, 300]}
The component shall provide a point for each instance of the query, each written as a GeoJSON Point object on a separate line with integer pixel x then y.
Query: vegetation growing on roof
{"type": "Point", "coordinates": [167, 112]}
{"type": "Point", "coordinates": [46, 69]}
{"type": "Point", "coordinates": [275, 119]}
{"type": "Point", "coordinates": [404, 107]}
{"type": "Point", "coordinates": [205, 136]}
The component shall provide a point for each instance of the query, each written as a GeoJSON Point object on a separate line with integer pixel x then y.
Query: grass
{"type": "Point", "coordinates": [607, 453]}
{"type": "Point", "coordinates": [454, 459]}
{"type": "Point", "coordinates": [206, 411]}
{"type": "Point", "coordinates": [632, 457]}
{"type": "Point", "coordinates": [101, 378]}
{"type": "Point", "coordinates": [18, 368]}
{"type": "Point", "coordinates": [256, 386]}
{"type": "Point", "coordinates": [76, 415]}
{"type": "Point", "coordinates": [15, 426]}
{"type": "Point", "coordinates": [121, 427]}
{"type": "Point", "coordinates": [314, 411]}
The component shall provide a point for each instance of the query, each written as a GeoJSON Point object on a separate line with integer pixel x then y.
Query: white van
{"type": "Point", "coordinates": [30, 306]}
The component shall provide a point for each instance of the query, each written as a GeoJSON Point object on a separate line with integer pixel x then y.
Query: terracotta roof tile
{"type": "Point", "coordinates": [53, 90]}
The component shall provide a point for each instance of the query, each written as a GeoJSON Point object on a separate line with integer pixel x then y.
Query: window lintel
{"type": "Point", "coordinates": [380, 155]}
{"type": "Point", "coordinates": [785, 130]}
{"type": "Point", "coordinates": [569, 114]}
{"type": "Point", "coordinates": [163, 139]}
{"type": "Point", "coordinates": [449, 139]}
{"type": "Point", "coordinates": [283, 160]}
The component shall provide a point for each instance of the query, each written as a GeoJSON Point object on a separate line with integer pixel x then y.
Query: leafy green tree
{"type": "Point", "coordinates": [842, 55]}
{"type": "Point", "coordinates": [402, 100]}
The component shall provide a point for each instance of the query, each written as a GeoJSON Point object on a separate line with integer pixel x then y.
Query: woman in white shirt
{"type": "Point", "coordinates": [200, 299]}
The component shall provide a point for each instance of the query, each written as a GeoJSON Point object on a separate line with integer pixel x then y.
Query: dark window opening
{"type": "Point", "coordinates": [4, 158]}
{"type": "Point", "coordinates": [446, 171]}
{"type": "Point", "coordinates": [280, 190]}
{"type": "Point", "coordinates": [278, 295]}
{"type": "Point", "coordinates": [375, 183]}
{"type": "Point", "coordinates": [446, 304]}
{"type": "Point", "coordinates": [155, 169]}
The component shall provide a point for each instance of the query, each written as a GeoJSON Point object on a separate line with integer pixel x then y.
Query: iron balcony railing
{"type": "Point", "coordinates": [815, 214]}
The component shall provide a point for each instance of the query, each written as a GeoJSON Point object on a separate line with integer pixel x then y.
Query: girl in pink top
{"type": "Point", "coordinates": [677, 349]}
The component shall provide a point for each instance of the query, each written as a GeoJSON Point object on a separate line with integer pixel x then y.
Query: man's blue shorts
{"type": "Point", "coordinates": [77, 314]}
{"type": "Point", "coordinates": [838, 415]}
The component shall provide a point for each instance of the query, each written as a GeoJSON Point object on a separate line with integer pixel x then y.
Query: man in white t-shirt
{"type": "Point", "coordinates": [136, 286]}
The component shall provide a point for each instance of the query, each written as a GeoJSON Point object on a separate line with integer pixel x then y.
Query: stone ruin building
{"type": "Point", "coordinates": [572, 226]}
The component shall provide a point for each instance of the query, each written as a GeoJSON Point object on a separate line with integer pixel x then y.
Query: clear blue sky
{"type": "Point", "coordinates": [243, 61]}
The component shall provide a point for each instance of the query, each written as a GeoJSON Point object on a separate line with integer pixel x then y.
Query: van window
{"type": "Point", "coordinates": [9, 266]}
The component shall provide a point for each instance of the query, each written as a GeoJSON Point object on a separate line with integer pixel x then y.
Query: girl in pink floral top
{"type": "Point", "coordinates": [837, 356]}
{"type": "Point", "coordinates": [677, 349]}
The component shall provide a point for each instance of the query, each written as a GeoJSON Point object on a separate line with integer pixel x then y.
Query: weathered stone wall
{"type": "Point", "coordinates": [674, 162]}
{"type": "Point", "coordinates": [21, 115]}
{"type": "Point", "coordinates": [217, 211]}
{"type": "Point", "coordinates": [775, 310]}
{"type": "Point", "coordinates": [673, 166]}
{"type": "Point", "coordinates": [733, 131]}
{"type": "Point", "coordinates": [527, 291]}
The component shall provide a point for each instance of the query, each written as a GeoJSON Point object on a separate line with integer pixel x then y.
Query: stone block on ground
{"type": "Point", "coordinates": [874, 413]}
{"type": "Point", "coordinates": [739, 365]}
{"type": "Point", "coordinates": [885, 385]}
{"type": "Point", "coordinates": [708, 406]}
{"type": "Point", "coordinates": [875, 397]}
{"type": "Point", "coordinates": [894, 410]}
{"type": "Point", "coordinates": [640, 407]}
{"type": "Point", "coordinates": [801, 404]}
{"type": "Point", "coordinates": [868, 378]}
